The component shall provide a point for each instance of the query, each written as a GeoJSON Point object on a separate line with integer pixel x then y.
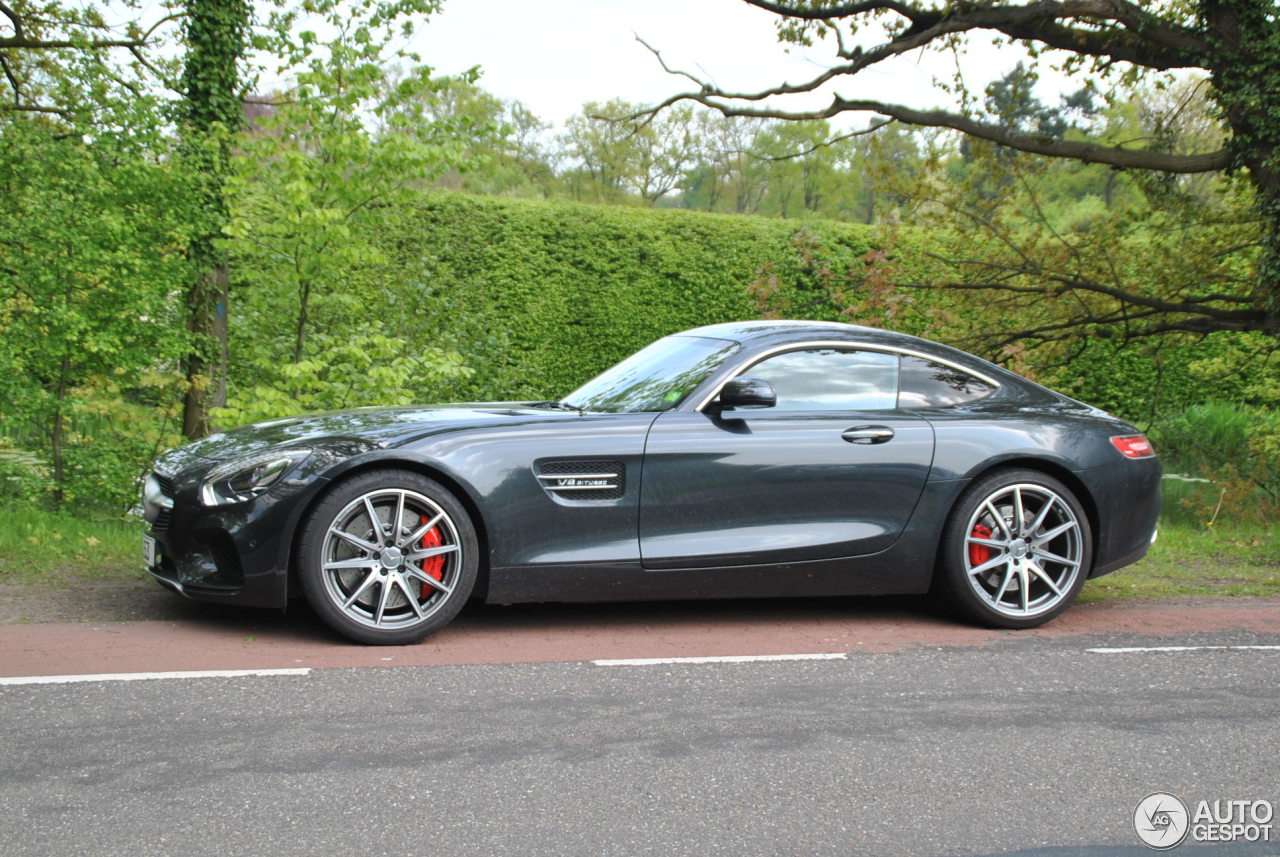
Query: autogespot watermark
{"type": "Point", "coordinates": [1163, 821]}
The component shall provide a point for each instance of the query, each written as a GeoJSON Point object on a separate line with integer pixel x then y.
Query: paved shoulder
{"type": "Point", "coordinates": [210, 638]}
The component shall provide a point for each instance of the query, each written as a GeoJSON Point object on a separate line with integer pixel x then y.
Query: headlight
{"type": "Point", "coordinates": [247, 478]}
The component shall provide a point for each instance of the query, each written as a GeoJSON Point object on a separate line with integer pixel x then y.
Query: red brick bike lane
{"type": "Point", "coordinates": [218, 639]}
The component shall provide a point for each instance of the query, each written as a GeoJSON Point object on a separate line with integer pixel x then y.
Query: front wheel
{"type": "Point", "coordinates": [388, 557]}
{"type": "Point", "coordinates": [1016, 549]}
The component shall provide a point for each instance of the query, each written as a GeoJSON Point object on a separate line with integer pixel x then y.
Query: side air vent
{"type": "Point", "coordinates": [583, 480]}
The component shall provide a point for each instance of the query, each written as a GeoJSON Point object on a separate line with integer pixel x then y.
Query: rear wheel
{"type": "Point", "coordinates": [1016, 549]}
{"type": "Point", "coordinates": [388, 557]}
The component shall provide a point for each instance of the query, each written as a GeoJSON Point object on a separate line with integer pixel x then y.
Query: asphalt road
{"type": "Point", "coordinates": [1027, 745]}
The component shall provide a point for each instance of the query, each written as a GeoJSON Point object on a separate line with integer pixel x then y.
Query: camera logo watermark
{"type": "Point", "coordinates": [1162, 821]}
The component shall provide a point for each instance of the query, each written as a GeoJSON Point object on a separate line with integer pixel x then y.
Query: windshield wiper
{"type": "Point", "coordinates": [558, 406]}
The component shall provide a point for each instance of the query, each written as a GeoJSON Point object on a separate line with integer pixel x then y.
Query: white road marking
{"type": "Point", "coordinates": [721, 659]}
{"type": "Point", "coordinates": [72, 679]}
{"type": "Point", "coordinates": [1142, 649]}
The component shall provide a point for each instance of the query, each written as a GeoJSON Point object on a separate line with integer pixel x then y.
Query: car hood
{"type": "Point", "coordinates": [359, 428]}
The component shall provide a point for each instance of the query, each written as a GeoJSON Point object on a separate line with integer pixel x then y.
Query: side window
{"type": "Point", "coordinates": [828, 379]}
{"type": "Point", "coordinates": [925, 384]}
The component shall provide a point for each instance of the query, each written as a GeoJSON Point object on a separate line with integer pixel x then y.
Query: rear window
{"type": "Point", "coordinates": [925, 384]}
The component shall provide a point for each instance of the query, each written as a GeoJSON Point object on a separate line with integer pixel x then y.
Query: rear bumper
{"type": "Point", "coordinates": [1130, 558]}
{"type": "Point", "coordinates": [1127, 500]}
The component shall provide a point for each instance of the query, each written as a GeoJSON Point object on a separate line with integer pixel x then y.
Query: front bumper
{"type": "Point", "coordinates": [237, 554]}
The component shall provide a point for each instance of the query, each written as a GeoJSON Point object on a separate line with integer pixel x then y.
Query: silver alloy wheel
{"type": "Point", "coordinates": [391, 559]}
{"type": "Point", "coordinates": [1023, 550]}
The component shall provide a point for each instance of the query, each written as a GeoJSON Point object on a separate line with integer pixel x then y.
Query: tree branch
{"type": "Point", "coordinates": [1114, 156]}
{"type": "Point", "coordinates": [1138, 36]}
{"type": "Point", "coordinates": [844, 10]}
{"type": "Point", "coordinates": [791, 156]}
{"type": "Point", "coordinates": [1053, 147]}
{"type": "Point", "coordinates": [13, 81]}
{"type": "Point", "coordinates": [168, 82]}
{"type": "Point", "coordinates": [23, 43]}
{"type": "Point", "coordinates": [146, 37]}
{"type": "Point", "coordinates": [36, 108]}
{"type": "Point", "coordinates": [14, 17]}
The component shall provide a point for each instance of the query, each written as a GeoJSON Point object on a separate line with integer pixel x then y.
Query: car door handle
{"type": "Point", "coordinates": [867, 434]}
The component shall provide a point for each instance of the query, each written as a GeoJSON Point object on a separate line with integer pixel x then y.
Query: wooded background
{"type": "Point", "coordinates": [182, 253]}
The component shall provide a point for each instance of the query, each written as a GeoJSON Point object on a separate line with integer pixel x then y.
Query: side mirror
{"type": "Point", "coordinates": [747, 392]}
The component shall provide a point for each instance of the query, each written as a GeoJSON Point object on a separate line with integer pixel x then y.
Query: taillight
{"type": "Point", "coordinates": [1133, 446]}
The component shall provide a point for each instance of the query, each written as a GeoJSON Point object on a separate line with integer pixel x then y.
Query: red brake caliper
{"type": "Point", "coordinates": [978, 554]}
{"type": "Point", "coordinates": [432, 566]}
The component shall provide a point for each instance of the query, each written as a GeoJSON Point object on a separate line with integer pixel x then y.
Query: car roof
{"type": "Point", "coordinates": [781, 331]}
{"type": "Point", "coordinates": [745, 330]}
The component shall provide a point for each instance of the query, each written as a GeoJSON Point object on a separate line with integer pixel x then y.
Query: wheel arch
{"type": "Point", "coordinates": [955, 585]}
{"type": "Point", "coordinates": [1050, 468]}
{"type": "Point", "coordinates": [422, 468]}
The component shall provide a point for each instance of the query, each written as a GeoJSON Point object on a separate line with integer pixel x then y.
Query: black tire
{"type": "Point", "coordinates": [399, 584]}
{"type": "Point", "coordinates": [1005, 574]}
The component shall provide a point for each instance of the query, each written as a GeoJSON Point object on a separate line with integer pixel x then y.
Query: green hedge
{"type": "Point", "coordinates": [540, 296]}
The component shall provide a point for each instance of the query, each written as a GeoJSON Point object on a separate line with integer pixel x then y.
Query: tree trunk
{"type": "Point", "coordinates": [300, 335]}
{"type": "Point", "coordinates": [215, 32]}
{"type": "Point", "coordinates": [1268, 285]}
{"type": "Point", "coordinates": [207, 363]}
{"type": "Point", "coordinates": [57, 433]}
{"type": "Point", "coordinates": [1246, 85]}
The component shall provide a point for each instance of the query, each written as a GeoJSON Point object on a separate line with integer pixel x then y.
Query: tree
{"type": "Point", "coordinates": [115, 144]}
{"type": "Point", "coordinates": [504, 146]}
{"type": "Point", "coordinates": [726, 177]}
{"type": "Point", "coordinates": [49, 50]}
{"type": "Point", "coordinates": [216, 34]}
{"type": "Point", "coordinates": [316, 179]}
{"type": "Point", "coordinates": [801, 169]}
{"type": "Point", "coordinates": [95, 218]}
{"type": "Point", "coordinates": [648, 159]}
{"type": "Point", "coordinates": [93, 233]}
{"type": "Point", "coordinates": [57, 54]}
{"type": "Point", "coordinates": [1235, 43]}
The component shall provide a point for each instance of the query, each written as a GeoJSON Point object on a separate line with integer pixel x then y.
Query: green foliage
{"type": "Point", "coordinates": [40, 546]}
{"type": "Point", "coordinates": [94, 245]}
{"type": "Point", "coordinates": [621, 157]}
{"type": "Point", "coordinates": [215, 33]}
{"type": "Point", "coordinates": [85, 64]}
{"type": "Point", "coordinates": [1148, 381]}
{"type": "Point", "coordinates": [216, 36]}
{"type": "Point", "coordinates": [539, 296]}
{"type": "Point", "coordinates": [365, 367]}
{"type": "Point", "coordinates": [827, 277]}
{"type": "Point", "coordinates": [504, 151]}
{"type": "Point", "coordinates": [1231, 558]}
{"type": "Point", "coordinates": [1234, 446]}
{"type": "Point", "coordinates": [23, 474]}
{"type": "Point", "coordinates": [111, 282]}
{"type": "Point", "coordinates": [314, 183]}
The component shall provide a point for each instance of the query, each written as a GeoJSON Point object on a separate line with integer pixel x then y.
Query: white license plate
{"type": "Point", "coordinates": [150, 551]}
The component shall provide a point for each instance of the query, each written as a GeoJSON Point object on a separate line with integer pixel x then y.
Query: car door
{"type": "Point", "coordinates": [833, 470]}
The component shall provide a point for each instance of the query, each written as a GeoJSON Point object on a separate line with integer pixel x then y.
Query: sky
{"type": "Point", "coordinates": [556, 55]}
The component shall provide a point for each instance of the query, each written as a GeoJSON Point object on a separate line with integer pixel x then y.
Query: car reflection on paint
{"type": "Point", "coordinates": [755, 459]}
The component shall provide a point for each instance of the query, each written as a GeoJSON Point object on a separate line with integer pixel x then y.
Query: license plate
{"type": "Point", "coordinates": [150, 551]}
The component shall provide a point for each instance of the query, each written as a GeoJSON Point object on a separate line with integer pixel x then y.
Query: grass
{"type": "Point", "coordinates": [1199, 559]}
{"type": "Point", "coordinates": [1215, 539]}
{"type": "Point", "coordinates": [1190, 557]}
{"type": "Point", "coordinates": [37, 546]}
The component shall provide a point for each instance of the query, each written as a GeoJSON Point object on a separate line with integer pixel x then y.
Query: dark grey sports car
{"type": "Point", "coordinates": [762, 458]}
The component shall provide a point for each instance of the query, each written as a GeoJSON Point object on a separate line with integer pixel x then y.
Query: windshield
{"type": "Point", "coordinates": [655, 378]}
